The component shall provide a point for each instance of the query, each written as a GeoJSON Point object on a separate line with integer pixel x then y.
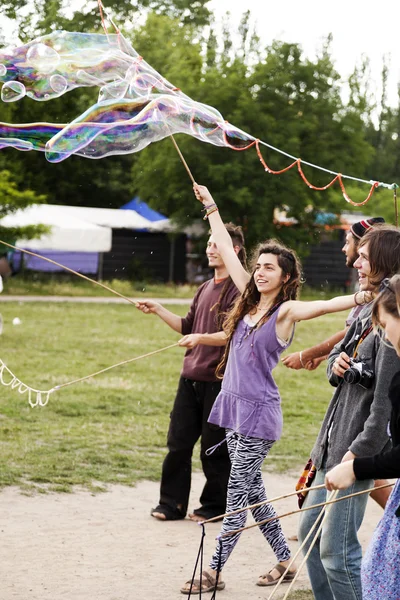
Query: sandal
{"type": "Point", "coordinates": [206, 584]}
{"type": "Point", "coordinates": [267, 579]}
{"type": "Point", "coordinates": [169, 513]}
{"type": "Point", "coordinates": [199, 514]}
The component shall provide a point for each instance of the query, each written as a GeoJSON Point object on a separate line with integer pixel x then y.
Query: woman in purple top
{"type": "Point", "coordinates": [258, 329]}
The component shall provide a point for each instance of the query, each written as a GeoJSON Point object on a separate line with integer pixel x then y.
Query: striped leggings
{"type": "Point", "coordinates": [246, 487]}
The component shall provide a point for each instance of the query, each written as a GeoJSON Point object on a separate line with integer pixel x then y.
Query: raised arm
{"type": "Point", "coordinates": [222, 238]}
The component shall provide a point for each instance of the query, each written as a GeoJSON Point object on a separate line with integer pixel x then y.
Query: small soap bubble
{"type": "Point", "coordinates": [3, 70]}
{"type": "Point", "coordinates": [58, 83]}
{"type": "Point", "coordinates": [12, 91]}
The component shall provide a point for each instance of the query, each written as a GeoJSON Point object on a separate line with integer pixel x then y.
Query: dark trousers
{"type": "Point", "coordinates": [192, 406]}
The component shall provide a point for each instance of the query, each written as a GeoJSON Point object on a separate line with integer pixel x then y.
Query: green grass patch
{"type": "Point", "coordinates": [112, 429]}
{"type": "Point", "coordinates": [61, 285]}
{"type": "Point", "coordinates": [39, 284]}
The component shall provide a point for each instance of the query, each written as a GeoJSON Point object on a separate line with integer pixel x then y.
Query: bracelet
{"type": "Point", "coordinates": [301, 359]}
{"type": "Point", "coordinates": [205, 207]}
{"type": "Point", "coordinates": [209, 212]}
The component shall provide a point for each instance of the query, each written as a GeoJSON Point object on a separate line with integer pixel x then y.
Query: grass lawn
{"type": "Point", "coordinates": [70, 285]}
{"type": "Point", "coordinates": [44, 285]}
{"type": "Point", "coordinates": [112, 429]}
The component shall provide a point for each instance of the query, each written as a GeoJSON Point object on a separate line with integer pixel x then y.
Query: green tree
{"type": "Point", "coordinates": [13, 199]}
{"type": "Point", "coordinates": [43, 16]}
{"type": "Point", "coordinates": [276, 94]}
{"type": "Point", "coordinates": [292, 103]}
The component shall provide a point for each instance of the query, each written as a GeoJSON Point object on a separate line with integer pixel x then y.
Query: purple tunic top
{"type": "Point", "coordinates": [249, 402]}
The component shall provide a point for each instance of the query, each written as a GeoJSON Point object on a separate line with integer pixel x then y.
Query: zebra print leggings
{"type": "Point", "coordinates": [246, 487]}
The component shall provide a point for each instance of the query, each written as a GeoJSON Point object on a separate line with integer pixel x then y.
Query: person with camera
{"type": "Point", "coordinates": [355, 426]}
{"type": "Point", "coordinates": [311, 358]}
{"type": "Point", "coordinates": [380, 571]}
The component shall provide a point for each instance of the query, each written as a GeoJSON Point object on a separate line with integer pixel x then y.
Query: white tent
{"type": "Point", "coordinates": [115, 218]}
{"type": "Point", "coordinates": [67, 232]}
{"type": "Point", "coordinates": [77, 228]}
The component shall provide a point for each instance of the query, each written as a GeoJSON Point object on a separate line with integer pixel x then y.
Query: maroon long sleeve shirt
{"type": "Point", "coordinates": [200, 362]}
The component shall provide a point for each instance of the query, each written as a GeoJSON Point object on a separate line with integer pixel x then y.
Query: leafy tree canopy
{"type": "Point", "coordinates": [277, 94]}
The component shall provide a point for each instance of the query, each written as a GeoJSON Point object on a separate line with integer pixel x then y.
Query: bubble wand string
{"type": "Point", "coordinates": [43, 396]}
{"type": "Point", "coordinates": [103, 10]}
{"type": "Point", "coordinates": [300, 548]}
{"type": "Point", "coordinates": [268, 501]}
{"type": "Point", "coordinates": [294, 512]}
{"type": "Point", "coordinates": [332, 498]}
{"type": "Point", "coordinates": [124, 362]}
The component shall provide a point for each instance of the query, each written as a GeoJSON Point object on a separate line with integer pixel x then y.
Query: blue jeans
{"type": "Point", "coordinates": [334, 564]}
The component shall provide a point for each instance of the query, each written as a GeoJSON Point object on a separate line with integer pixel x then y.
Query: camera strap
{"type": "Point", "coordinates": [363, 335]}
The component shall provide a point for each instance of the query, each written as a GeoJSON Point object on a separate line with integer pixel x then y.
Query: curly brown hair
{"type": "Point", "coordinates": [290, 265]}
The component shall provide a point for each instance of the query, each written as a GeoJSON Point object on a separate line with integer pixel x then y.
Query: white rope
{"type": "Point", "coordinates": [42, 396]}
{"type": "Point", "coordinates": [389, 186]}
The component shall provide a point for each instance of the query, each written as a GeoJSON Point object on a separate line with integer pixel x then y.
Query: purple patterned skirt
{"type": "Point", "coordinates": [380, 571]}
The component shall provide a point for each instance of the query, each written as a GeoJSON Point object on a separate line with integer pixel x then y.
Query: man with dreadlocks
{"type": "Point", "coordinates": [197, 390]}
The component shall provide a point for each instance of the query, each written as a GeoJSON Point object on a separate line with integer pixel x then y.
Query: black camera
{"type": "Point", "coordinates": [360, 373]}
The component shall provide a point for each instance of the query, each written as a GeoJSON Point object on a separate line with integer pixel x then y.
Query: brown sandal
{"type": "Point", "coordinates": [267, 579]}
{"type": "Point", "coordinates": [206, 584]}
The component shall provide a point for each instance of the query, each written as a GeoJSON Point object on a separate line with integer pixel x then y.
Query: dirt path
{"type": "Point", "coordinates": [106, 547]}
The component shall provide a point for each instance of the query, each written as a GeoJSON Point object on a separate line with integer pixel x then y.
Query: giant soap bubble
{"type": "Point", "coordinates": [136, 105]}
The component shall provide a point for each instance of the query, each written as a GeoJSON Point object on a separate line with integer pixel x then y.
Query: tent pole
{"type": "Point", "coordinates": [100, 267]}
{"type": "Point", "coordinates": [171, 259]}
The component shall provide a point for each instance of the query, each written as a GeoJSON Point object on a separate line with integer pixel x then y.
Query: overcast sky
{"type": "Point", "coordinates": [358, 27]}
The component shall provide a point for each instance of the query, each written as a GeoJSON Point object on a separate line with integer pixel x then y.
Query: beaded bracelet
{"type": "Point", "coordinates": [210, 211]}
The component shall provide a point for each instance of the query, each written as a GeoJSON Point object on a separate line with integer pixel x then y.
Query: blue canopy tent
{"type": "Point", "coordinates": [143, 209]}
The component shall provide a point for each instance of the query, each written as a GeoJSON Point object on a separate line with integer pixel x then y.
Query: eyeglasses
{"type": "Point", "coordinates": [385, 285]}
